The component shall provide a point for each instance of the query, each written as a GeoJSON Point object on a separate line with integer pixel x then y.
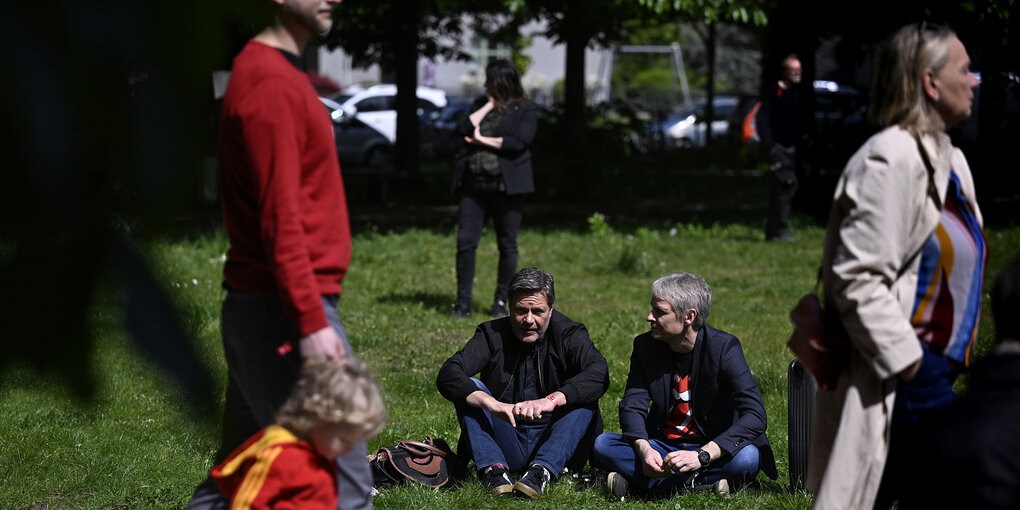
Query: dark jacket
{"type": "Point", "coordinates": [977, 439]}
{"type": "Point", "coordinates": [727, 405]}
{"type": "Point", "coordinates": [777, 116]}
{"type": "Point", "coordinates": [517, 127]}
{"type": "Point", "coordinates": [568, 362]}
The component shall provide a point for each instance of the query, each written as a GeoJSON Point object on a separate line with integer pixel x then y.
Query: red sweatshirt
{"type": "Point", "coordinates": [282, 195]}
{"type": "Point", "coordinates": [275, 470]}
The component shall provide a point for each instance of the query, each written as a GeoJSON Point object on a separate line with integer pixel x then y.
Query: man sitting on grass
{"type": "Point", "coordinates": [705, 425]}
{"type": "Point", "coordinates": [535, 405]}
{"type": "Point", "coordinates": [291, 464]}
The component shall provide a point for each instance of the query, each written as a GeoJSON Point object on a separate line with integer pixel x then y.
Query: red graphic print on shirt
{"type": "Point", "coordinates": [680, 422]}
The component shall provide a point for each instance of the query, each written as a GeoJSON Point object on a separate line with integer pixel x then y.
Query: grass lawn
{"type": "Point", "coordinates": [138, 444]}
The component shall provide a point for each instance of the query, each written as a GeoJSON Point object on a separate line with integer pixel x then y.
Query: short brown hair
{"type": "Point", "coordinates": [532, 280]}
{"type": "Point", "coordinates": [342, 396]}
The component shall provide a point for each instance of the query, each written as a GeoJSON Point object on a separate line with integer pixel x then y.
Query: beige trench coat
{"type": "Point", "coordinates": [882, 213]}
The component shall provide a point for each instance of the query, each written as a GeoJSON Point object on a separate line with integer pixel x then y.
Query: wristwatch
{"type": "Point", "coordinates": [703, 457]}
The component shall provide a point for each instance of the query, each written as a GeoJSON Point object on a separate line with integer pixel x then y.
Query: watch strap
{"type": "Point", "coordinates": [704, 457]}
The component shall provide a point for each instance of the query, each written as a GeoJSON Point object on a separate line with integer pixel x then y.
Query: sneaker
{"type": "Point", "coordinates": [498, 308]}
{"type": "Point", "coordinates": [720, 486]}
{"type": "Point", "coordinates": [534, 482]}
{"type": "Point", "coordinates": [616, 484]}
{"type": "Point", "coordinates": [496, 480]}
{"type": "Point", "coordinates": [460, 310]}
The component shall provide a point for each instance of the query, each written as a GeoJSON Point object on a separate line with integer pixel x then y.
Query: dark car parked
{"type": "Point", "coordinates": [439, 137]}
{"type": "Point", "coordinates": [357, 143]}
{"type": "Point", "coordinates": [839, 127]}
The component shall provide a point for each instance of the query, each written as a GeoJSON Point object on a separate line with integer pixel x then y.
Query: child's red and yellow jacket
{"type": "Point", "coordinates": [275, 470]}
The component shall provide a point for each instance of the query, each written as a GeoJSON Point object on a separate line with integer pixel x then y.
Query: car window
{"type": "Point", "coordinates": [426, 105]}
{"type": "Point", "coordinates": [827, 104]}
{"type": "Point", "coordinates": [838, 104]}
{"type": "Point", "coordinates": [375, 104]}
{"type": "Point", "coordinates": [452, 114]}
{"type": "Point", "coordinates": [722, 112]}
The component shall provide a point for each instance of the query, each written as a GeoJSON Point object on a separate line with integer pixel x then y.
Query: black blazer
{"type": "Point", "coordinates": [517, 127]}
{"type": "Point", "coordinates": [727, 405]}
{"type": "Point", "coordinates": [568, 361]}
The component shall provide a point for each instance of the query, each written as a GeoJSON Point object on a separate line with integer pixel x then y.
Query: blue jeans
{"type": "Point", "coordinates": [565, 441]}
{"type": "Point", "coordinates": [612, 453]}
{"type": "Point", "coordinates": [259, 380]}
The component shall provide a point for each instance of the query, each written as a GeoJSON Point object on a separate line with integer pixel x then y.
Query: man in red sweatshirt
{"type": "Point", "coordinates": [285, 213]}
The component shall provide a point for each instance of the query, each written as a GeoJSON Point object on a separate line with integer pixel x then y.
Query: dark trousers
{"type": "Point", "coordinates": [259, 380]}
{"type": "Point", "coordinates": [478, 202]}
{"type": "Point", "coordinates": [783, 187]}
{"type": "Point", "coordinates": [921, 405]}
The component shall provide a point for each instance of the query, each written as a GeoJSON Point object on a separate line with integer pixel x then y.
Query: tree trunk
{"type": "Point", "coordinates": [987, 152]}
{"type": "Point", "coordinates": [574, 97]}
{"type": "Point", "coordinates": [710, 87]}
{"type": "Point", "coordinates": [406, 152]}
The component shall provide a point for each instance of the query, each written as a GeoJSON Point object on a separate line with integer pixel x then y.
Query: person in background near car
{"type": "Point", "coordinates": [902, 267]}
{"type": "Point", "coordinates": [493, 172]}
{"type": "Point", "coordinates": [691, 415]}
{"type": "Point", "coordinates": [535, 405]}
{"type": "Point", "coordinates": [777, 128]}
{"type": "Point", "coordinates": [285, 214]}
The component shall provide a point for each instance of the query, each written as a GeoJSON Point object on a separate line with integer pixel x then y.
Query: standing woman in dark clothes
{"type": "Point", "coordinates": [493, 171]}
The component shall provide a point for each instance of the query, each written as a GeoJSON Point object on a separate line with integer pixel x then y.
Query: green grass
{"type": "Point", "coordinates": [138, 445]}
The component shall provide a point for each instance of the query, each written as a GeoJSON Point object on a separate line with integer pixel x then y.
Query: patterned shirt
{"type": "Point", "coordinates": [680, 420]}
{"type": "Point", "coordinates": [948, 301]}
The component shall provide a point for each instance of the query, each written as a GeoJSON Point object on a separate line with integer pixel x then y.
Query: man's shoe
{"type": "Point", "coordinates": [616, 484]}
{"type": "Point", "coordinates": [496, 480]}
{"type": "Point", "coordinates": [534, 482]}
{"type": "Point", "coordinates": [460, 310]}
{"type": "Point", "coordinates": [720, 486]}
{"type": "Point", "coordinates": [498, 308]}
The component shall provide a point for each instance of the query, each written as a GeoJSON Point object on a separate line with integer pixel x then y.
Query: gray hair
{"type": "Point", "coordinates": [684, 291]}
{"type": "Point", "coordinates": [529, 281]}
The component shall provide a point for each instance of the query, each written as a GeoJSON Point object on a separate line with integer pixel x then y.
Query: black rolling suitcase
{"type": "Point", "coordinates": [800, 398]}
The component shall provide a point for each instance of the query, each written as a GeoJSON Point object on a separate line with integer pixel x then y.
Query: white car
{"type": "Point", "coordinates": [687, 128]}
{"type": "Point", "coordinates": [376, 106]}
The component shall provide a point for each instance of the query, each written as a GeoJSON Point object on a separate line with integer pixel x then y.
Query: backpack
{"type": "Point", "coordinates": [430, 462]}
{"type": "Point", "coordinates": [749, 127]}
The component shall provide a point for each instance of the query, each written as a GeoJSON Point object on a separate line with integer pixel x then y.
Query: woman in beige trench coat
{"type": "Point", "coordinates": [885, 209]}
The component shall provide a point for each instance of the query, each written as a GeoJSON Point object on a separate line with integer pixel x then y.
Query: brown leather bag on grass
{"type": "Point", "coordinates": [430, 462]}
